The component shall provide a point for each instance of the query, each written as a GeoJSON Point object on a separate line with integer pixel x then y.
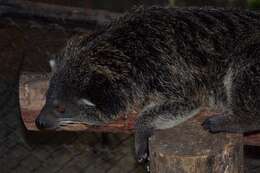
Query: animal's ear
{"type": "Point", "coordinates": [54, 62]}
{"type": "Point", "coordinates": [86, 102]}
{"type": "Point", "coordinates": [53, 65]}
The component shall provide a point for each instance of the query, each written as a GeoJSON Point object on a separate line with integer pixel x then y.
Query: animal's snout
{"type": "Point", "coordinates": [42, 122]}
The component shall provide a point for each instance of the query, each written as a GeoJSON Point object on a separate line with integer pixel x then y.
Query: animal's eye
{"type": "Point", "coordinates": [60, 108]}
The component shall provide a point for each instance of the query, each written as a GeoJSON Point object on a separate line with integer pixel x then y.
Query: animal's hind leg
{"type": "Point", "coordinates": [244, 103]}
{"type": "Point", "coordinates": [160, 116]}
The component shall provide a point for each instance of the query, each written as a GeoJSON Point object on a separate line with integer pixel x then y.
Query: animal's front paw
{"type": "Point", "coordinates": [142, 151]}
{"type": "Point", "coordinates": [215, 124]}
{"type": "Point", "coordinates": [141, 145]}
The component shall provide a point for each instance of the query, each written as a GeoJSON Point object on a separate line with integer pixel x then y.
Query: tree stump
{"type": "Point", "coordinates": [188, 148]}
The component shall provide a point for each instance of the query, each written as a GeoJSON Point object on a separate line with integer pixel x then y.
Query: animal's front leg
{"type": "Point", "coordinates": [141, 142]}
{"type": "Point", "coordinates": [221, 123]}
{"type": "Point", "coordinates": [160, 116]}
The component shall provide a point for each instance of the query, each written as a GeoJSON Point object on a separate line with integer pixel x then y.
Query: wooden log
{"type": "Point", "coordinates": [32, 97]}
{"type": "Point", "coordinates": [32, 89]}
{"type": "Point", "coordinates": [188, 148]}
{"type": "Point", "coordinates": [60, 16]}
{"type": "Point", "coordinates": [252, 139]}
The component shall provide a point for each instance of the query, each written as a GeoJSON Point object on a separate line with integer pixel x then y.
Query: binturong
{"type": "Point", "coordinates": [166, 63]}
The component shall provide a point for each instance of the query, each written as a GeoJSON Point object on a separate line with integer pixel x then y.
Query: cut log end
{"type": "Point", "coordinates": [188, 148]}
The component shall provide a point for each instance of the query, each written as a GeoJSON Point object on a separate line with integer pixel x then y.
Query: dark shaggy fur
{"type": "Point", "coordinates": [166, 62]}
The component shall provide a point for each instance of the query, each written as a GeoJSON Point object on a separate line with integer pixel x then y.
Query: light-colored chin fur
{"type": "Point", "coordinates": [70, 125]}
{"type": "Point", "coordinates": [68, 122]}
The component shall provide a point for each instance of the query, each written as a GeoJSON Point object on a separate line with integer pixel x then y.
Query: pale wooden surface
{"type": "Point", "coordinates": [188, 148]}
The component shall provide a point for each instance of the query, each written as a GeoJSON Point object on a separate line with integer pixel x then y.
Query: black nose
{"type": "Point", "coordinates": [42, 122]}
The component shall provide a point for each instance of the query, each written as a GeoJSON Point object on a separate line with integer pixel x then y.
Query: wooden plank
{"type": "Point", "coordinates": [188, 148]}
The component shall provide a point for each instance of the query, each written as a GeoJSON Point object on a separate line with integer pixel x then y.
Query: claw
{"type": "Point", "coordinates": [142, 158]}
{"type": "Point", "coordinates": [213, 124]}
{"type": "Point", "coordinates": [148, 168]}
{"type": "Point", "coordinates": [206, 124]}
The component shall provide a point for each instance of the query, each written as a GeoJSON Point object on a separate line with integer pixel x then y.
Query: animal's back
{"type": "Point", "coordinates": [173, 52]}
{"type": "Point", "coordinates": [169, 48]}
{"type": "Point", "coordinates": [177, 58]}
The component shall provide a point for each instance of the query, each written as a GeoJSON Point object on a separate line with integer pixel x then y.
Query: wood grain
{"type": "Point", "coordinates": [188, 148]}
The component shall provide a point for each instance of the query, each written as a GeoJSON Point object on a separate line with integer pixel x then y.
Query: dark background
{"type": "Point", "coordinates": [27, 46]}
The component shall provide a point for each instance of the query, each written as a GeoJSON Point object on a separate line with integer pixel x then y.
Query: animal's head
{"type": "Point", "coordinates": [65, 104]}
{"type": "Point", "coordinates": [75, 95]}
{"type": "Point", "coordinates": [88, 85]}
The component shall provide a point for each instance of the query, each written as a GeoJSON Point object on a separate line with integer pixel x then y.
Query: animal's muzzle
{"type": "Point", "coordinates": [42, 122]}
